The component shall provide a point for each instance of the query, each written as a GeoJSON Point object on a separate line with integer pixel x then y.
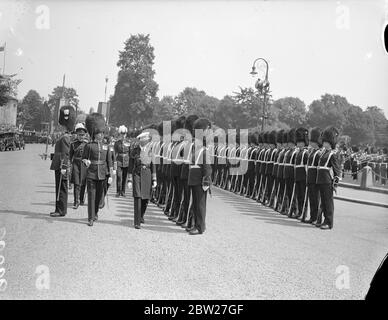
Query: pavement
{"type": "Point", "coordinates": [362, 196]}
{"type": "Point", "coordinates": [247, 252]}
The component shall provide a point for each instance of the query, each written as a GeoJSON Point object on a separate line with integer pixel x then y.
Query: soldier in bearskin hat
{"type": "Point", "coordinates": [270, 159]}
{"type": "Point", "coordinates": [312, 163]}
{"type": "Point", "coordinates": [302, 141]}
{"type": "Point", "coordinates": [98, 160]}
{"type": "Point", "coordinates": [78, 169]}
{"type": "Point", "coordinates": [61, 161]}
{"type": "Point", "coordinates": [183, 219]}
{"type": "Point", "coordinates": [199, 178]}
{"type": "Point", "coordinates": [328, 175]}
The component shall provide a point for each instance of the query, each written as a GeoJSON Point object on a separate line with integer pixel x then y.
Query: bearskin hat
{"type": "Point", "coordinates": [189, 123]}
{"type": "Point", "coordinates": [291, 136]}
{"type": "Point", "coordinates": [261, 137]}
{"type": "Point", "coordinates": [330, 135]}
{"type": "Point", "coordinates": [265, 137]}
{"type": "Point", "coordinates": [272, 137]}
{"type": "Point", "coordinates": [255, 138]}
{"type": "Point", "coordinates": [285, 136]}
{"type": "Point", "coordinates": [67, 117]}
{"type": "Point", "coordinates": [177, 124]}
{"type": "Point", "coordinates": [279, 136]}
{"type": "Point", "coordinates": [302, 135]}
{"type": "Point", "coordinates": [315, 135]}
{"type": "Point", "coordinates": [202, 123]}
{"type": "Point", "coordinates": [95, 123]}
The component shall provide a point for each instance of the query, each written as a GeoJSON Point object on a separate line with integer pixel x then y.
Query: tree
{"type": "Point", "coordinates": [31, 112]}
{"type": "Point", "coordinates": [379, 124]}
{"type": "Point", "coordinates": [70, 95]}
{"type": "Point", "coordinates": [357, 126]}
{"type": "Point", "coordinates": [224, 115]}
{"type": "Point", "coordinates": [290, 110]}
{"type": "Point", "coordinates": [135, 91]}
{"type": "Point", "coordinates": [163, 109]}
{"type": "Point", "coordinates": [329, 110]}
{"type": "Point", "coordinates": [8, 88]}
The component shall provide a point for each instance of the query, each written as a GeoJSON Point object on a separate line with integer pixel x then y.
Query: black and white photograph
{"type": "Point", "coordinates": [193, 150]}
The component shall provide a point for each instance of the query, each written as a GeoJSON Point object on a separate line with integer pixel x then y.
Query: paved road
{"type": "Point", "coordinates": [362, 195]}
{"type": "Point", "coordinates": [247, 252]}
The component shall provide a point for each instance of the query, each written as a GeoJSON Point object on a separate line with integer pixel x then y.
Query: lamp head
{"type": "Point", "coordinates": [253, 72]}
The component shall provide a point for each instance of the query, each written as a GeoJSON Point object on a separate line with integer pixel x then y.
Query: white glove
{"type": "Point", "coordinates": [86, 162]}
{"type": "Point", "coordinates": [114, 172]}
{"type": "Point", "coordinates": [63, 171]}
{"type": "Point", "coordinates": [110, 180]}
{"type": "Point", "coordinates": [205, 188]}
{"type": "Point", "coordinates": [154, 184]}
{"type": "Point", "coordinates": [129, 184]}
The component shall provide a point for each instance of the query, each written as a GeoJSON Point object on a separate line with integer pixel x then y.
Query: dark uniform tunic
{"type": "Point", "coordinates": [199, 174]}
{"type": "Point", "coordinates": [300, 181]}
{"type": "Point", "coordinates": [121, 149]}
{"type": "Point", "coordinates": [329, 169]}
{"type": "Point", "coordinates": [78, 170]}
{"type": "Point", "coordinates": [312, 188]}
{"type": "Point", "coordinates": [142, 172]}
{"type": "Point", "coordinates": [60, 161]}
{"type": "Point", "coordinates": [99, 168]}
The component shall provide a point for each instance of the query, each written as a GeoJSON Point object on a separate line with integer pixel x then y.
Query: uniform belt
{"type": "Point", "coordinates": [288, 164]}
{"type": "Point", "coordinates": [325, 168]}
{"type": "Point", "coordinates": [97, 162]}
{"type": "Point", "coordinates": [300, 165]}
{"type": "Point", "coordinates": [312, 167]}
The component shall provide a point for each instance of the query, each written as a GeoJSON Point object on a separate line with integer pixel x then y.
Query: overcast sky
{"type": "Point", "coordinates": [313, 47]}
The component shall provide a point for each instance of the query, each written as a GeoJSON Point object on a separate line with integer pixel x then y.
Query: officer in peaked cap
{"type": "Point", "coordinates": [61, 161]}
{"type": "Point", "coordinates": [121, 149]}
{"type": "Point", "coordinates": [142, 174]}
{"type": "Point", "coordinates": [78, 169]}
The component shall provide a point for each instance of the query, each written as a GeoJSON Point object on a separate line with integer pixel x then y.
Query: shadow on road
{"type": "Point", "coordinates": [249, 207]}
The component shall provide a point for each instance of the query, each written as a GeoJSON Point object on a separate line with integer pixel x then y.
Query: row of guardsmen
{"type": "Point", "coordinates": [286, 170]}
{"type": "Point", "coordinates": [90, 164]}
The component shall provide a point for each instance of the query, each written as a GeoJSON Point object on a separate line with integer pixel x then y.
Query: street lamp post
{"type": "Point", "coordinates": [262, 86]}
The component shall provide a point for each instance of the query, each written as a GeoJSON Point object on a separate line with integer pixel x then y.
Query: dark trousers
{"type": "Point", "coordinates": [313, 194]}
{"type": "Point", "coordinates": [327, 202]}
{"type": "Point", "coordinates": [282, 185]}
{"type": "Point", "coordinates": [95, 192]}
{"type": "Point", "coordinates": [176, 201]}
{"type": "Point", "coordinates": [121, 179]}
{"type": "Point", "coordinates": [190, 212]}
{"type": "Point", "coordinates": [140, 207]}
{"type": "Point", "coordinates": [79, 193]}
{"type": "Point", "coordinates": [198, 207]}
{"type": "Point", "coordinates": [268, 190]}
{"type": "Point", "coordinates": [170, 189]}
{"type": "Point", "coordinates": [300, 191]}
{"type": "Point", "coordinates": [104, 192]}
{"type": "Point", "coordinates": [61, 204]}
{"type": "Point", "coordinates": [185, 201]}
